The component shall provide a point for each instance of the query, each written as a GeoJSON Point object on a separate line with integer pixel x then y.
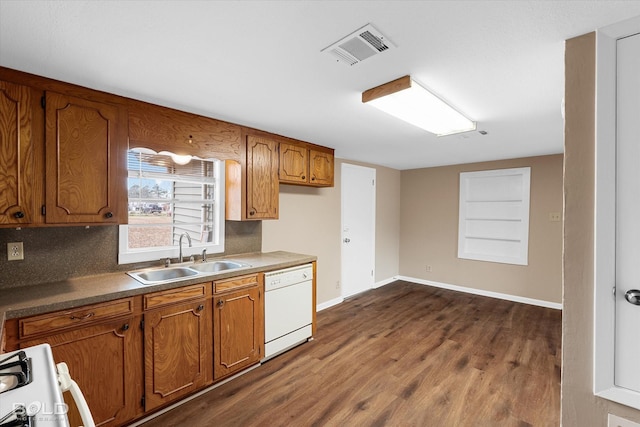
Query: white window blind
{"type": "Point", "coordinates": [494, 215]}
{"type": "Point", "coordinates": [170, 195]}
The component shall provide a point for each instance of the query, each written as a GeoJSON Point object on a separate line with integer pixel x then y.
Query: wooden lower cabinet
{"type": "Point", "coordinates": [177, 345]}
{"type": "Point", "coordinates": [105, 361]}
{"type": "Point", "coordinates": [134, 355]}
{"type": "Point", "coordinates": [238, 328]}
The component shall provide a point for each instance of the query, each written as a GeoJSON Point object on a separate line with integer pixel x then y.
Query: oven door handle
{"type": "Point", "coordinates": [67, 384]}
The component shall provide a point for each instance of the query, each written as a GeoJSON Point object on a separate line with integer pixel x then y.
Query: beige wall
{"type": "Point", "coordinates": [310, 223]}
{"type": "Point", "coordinates": [579, 406]}
{"type": "Point", "coordinates": [429, 231]}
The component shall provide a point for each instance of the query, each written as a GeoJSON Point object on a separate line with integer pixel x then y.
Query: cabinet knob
{"type": "Point", "coordinates": [220, 303]}
{"type": "Point", "coordinates": [313, 178]}
{"type": "Point", "coordinates": [200, 307]}
{"type": "Point", "coordinates": [108, 215]}
{"type": "Point", "coordinates": [19, 214]}
{"type": "Point", "coordinates": [252, 212]}
{"type": "Point", "coordinates": [303, 177]}
{"type": "Point", "coordinates": [125, 327]}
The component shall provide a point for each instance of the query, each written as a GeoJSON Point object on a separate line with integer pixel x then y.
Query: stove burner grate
{"type": "Point", "coordinates": [16, 418]}
{"type": "Point", "coordinates": [15, 371]}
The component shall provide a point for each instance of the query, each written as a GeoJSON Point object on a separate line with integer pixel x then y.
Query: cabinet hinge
{"type": "Point", "coordinates": [142, 327]}
{"type": "Point", "coordinates": [142, 401]}
{"type": "Point", "coordinates": [43, 102]}
{"type": "Point", "coordinates": [43, 210]}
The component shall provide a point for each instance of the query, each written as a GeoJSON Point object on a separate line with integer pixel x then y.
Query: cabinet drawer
{"type": "Point", "coordinates": [235, 283]}
{"type": "Point", "coordinates": [60, 320]}
{"type": "Point", "coordinates": [172, 296]}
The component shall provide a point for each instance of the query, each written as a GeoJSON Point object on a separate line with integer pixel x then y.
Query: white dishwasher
{"type": "Point", "coordinates": [288, 308]}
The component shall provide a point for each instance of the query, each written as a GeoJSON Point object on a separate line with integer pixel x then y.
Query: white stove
{"type": "Point", "coordinates": [30, 394]}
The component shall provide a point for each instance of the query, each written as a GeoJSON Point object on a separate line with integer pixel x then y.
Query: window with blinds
{"type": "Point", "coordinates": [169, 195]}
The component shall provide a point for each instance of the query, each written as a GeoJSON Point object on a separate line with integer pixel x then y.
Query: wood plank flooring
{"type": "Point", "coordinates": [402, 355]}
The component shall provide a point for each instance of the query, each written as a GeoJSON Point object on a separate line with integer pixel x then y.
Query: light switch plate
{"type": "Point", "coordinates": [15, 251]}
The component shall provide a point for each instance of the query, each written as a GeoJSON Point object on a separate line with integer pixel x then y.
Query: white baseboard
{"type": "Point", "coordinates": [384, 282]}
{"type": "Point", "coordinates": [336, 301]}
{"type": "Point", "coordinates": [508, 297]}
{"type": "Point", "coordinates": [330, 303]}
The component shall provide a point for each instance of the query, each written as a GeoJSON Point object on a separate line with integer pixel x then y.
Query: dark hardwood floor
{"type": "Point", "coordinates": [401, 355]}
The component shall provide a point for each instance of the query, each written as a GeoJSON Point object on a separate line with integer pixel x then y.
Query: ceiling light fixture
{"type": "Point", "coordinates": [408, 101]}
{"type": "Point", "coordinates": [177, 159]}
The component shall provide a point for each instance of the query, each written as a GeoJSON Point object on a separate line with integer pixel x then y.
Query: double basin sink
{"type": "Point", "coordinates": [154, 276]}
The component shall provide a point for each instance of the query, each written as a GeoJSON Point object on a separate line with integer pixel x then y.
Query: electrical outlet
{"type": "Point", "coordinates": [429, 269]}
{"type": "Point", "coordinates": [15, 251]}
{"type": "Point", "coordinates": [555, 217]}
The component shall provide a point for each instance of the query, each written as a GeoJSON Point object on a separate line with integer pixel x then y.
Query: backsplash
{"type": "Point", "coordinates": [58, 253]}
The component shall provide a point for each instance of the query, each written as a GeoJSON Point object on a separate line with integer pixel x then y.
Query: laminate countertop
{"type": "Point", "coordinates": [75, 292]}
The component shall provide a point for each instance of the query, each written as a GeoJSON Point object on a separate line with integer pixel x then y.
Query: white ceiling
{"type": "Point", "coordinates": [258, 63]}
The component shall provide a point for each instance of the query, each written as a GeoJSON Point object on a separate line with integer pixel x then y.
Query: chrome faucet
{"type": "Point", "coordinates": [180, 244]}
{"type": "Point", "coordinates": [204, 255]}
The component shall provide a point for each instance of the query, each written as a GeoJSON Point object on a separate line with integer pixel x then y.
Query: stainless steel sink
{"type": "Point", "coordinates": [154, 276]}
{"type": "Point", "coordinates": [213, 266]}
{"type": "Point", "coordinates": [162, 275]}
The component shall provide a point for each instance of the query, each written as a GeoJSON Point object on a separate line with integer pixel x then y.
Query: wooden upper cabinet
{"type": "Point", "coordinates": [165, 129]}
{"type": "Point", "coordinates": [85, 161]}
{"type": "Point", "coordinates": [294, 164]}
{"type": "Point", "coordinates": [302, 165]}
{"type": "Point", "coordinates": [321, 168]}
{"type": "Point", "coordinates": [252, 189]}
{"type": "Point", "coordinates": [262, 178]}
{"type": "Point", "coordinates": [16, 155]}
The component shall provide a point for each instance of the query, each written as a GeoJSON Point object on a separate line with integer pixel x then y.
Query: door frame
{"type": "Point", "coordinates": [373, 226]}
{"type": "Point", "coordinates": [605, 215]}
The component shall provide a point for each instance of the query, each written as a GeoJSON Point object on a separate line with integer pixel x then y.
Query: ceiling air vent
{"type": "Point", "coordinates": [359, 45]}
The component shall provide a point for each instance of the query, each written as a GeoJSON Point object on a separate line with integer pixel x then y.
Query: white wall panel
{"type": "Point", "coordinates": [494, 215]}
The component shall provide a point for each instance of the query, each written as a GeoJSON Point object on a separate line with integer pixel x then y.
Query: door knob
{"type": "Point", "coordinates": [347, 240]}
{"type": "Point", "coordinates": [633, 296]}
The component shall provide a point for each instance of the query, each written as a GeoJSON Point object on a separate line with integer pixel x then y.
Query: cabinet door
{"type": "Point", "coordinates": [16, 155]}
{"type": "Point", "coordinates": [85, 149]}
{"type": "Point", "coordinates": [238, 331]}
{"type": "Point", "coordinates": [176, 355]}
{"type": "Point", "coordinates": [294, 164]}
{"type": "Point", "coordinates": [262, 178]}
{"type": "Point", "coordinates": [321, 168]}
{"type": "Point", "coordinates": [106, 362]}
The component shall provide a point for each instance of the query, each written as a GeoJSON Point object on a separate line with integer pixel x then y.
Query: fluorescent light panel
{"type": "Point", "coordinates": [407, 100]}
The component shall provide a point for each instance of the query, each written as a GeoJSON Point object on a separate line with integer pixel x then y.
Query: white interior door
{"type": "Point", "coordinates": [358, 228]}
{"type": "Point", "coordinates": [627, 352]}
